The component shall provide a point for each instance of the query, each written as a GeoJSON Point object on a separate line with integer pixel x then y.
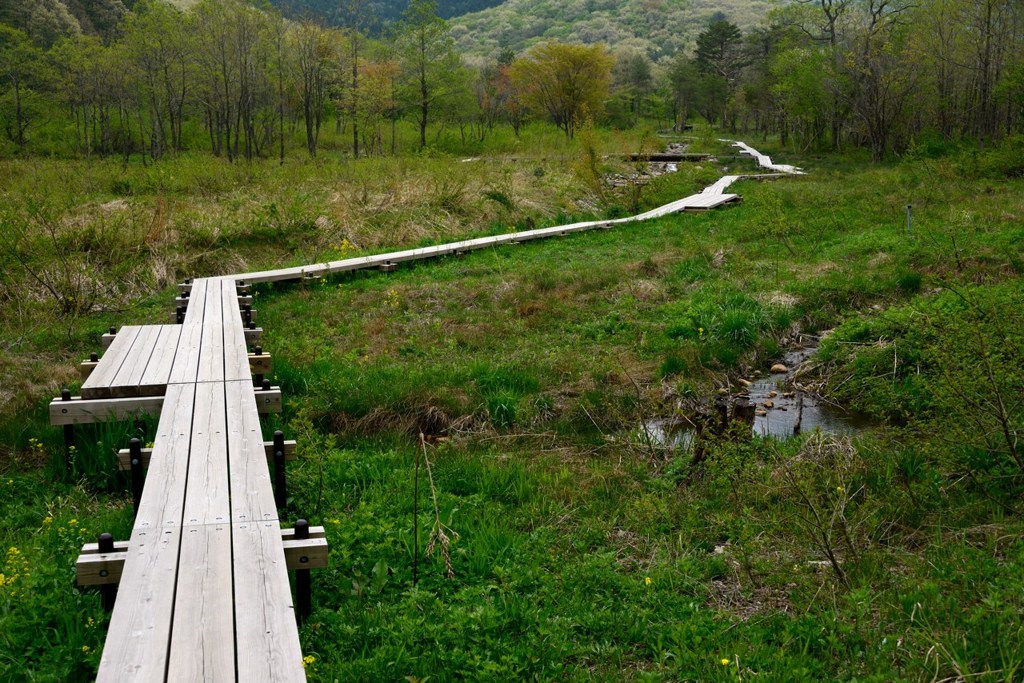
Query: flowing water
{"type": "Point", "coordinates": [778, 405]}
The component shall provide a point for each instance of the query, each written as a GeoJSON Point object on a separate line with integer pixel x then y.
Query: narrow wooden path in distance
{"type": "Point", "coordinates": [203, 589]}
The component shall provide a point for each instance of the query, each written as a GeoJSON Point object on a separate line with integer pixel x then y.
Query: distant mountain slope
{"type": "Point", "coordinates": [381, 12]}
{"type": "Point", "coordinates": [658, 27]}
{"type": "Point", "coordinates": [47, 20]}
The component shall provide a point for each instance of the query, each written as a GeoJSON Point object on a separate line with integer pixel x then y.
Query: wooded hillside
{"type": "Point", "coordinates": [657, 28]}
{"type": "Point", "coordinates": [247, 82]}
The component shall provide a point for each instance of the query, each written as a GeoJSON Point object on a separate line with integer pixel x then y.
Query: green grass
{"type": "Point", "coordinates": [583, 554]}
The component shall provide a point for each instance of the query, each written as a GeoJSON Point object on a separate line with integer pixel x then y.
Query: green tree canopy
{"type": "Point", "coordinates": [567, 83]}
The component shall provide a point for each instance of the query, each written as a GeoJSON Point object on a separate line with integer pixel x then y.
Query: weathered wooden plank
{"type": "Point", "coordinates": [140, 626]}
{"type": "Point", "coordinates": [98, 384]}
{"type": "Point", "coordinates": [236, 352]}
{"type": "Point", "coordinates": [203, 632]}
{"type": "Point", "coordinates": [158, 373]}
{"type": "Point", "coordinates": [260, 364]}
{"type": "Point", "coordinates": [163, 497]}
{"type": "Point", "coordinates": [124, 455]}
{"type": "Point", "coordinates": [307, 553]}
{"type": "Point", "coordinates": [268, 400]}
{"type": "Point", "coordinates": [185, 367]}
{"type": "Point", "coordinates": [240, 299]}
{"type": "Point", "coordinates": [266, 636]}
{"type": "Point", "coordinates": [242, 289]}
{"type": "Point", "coordinates": [88, 411]}
{"type": "Point", "coordinates": [711, 202]}
{"type": "Point", "coordinates": [85, 368]}
{"type": "Point", "coordinates": [127, 379]}
{"type": "Point", "coordinates": [197, 302]}
{"type": "Point", "coordinates": [96, 569]}
{"type": "Point", "coordinates": [207, 499]}
{"type": "Point", "coordinates": [252, 496]}
{"type": "Point", "coordinates": [211, 354]}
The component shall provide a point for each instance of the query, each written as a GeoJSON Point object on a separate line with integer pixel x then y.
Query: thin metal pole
{"type": "Point", "coordinates": [280, 475]}
{"type": "Point", "coordinates": [303, 584]}
{"type": "Point", "coordinates": [108, 591]}
{"type": "Point", "coordinates": [138, 477]}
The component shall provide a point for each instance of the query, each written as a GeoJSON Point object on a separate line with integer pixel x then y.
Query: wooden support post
{"type": "Point", "coordinates": [303, 583]}
{"type": "Point", "coordinates": [280, 475]}
{"type": "Point", "coordinates": [247, 314]}
{"type": "Point", "coordinates": [86, 367]}
{"type": "Point", "coordinates": [69, 435]}
{"type": "Point", "coordinates": [95, 568]}
{"type": "Point", "coordinates": [108, 338]}
{"type": "Point", "coordinates": [108, 592]}
{"type": "Point", "coordinates": [179, 315]}
{"type": "Point", "coordinates": [258, 377]}
{"type": "Point", "coordinates": [138, 476]}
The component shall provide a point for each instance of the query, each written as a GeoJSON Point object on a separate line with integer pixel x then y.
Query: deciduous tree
{"type": "Point", "coordinates": [566, 82]}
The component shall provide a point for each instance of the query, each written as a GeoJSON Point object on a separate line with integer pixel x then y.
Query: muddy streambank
{"type": "Point", "coordinates": [777, 401]}
{"type": "Point", "coordinates": [659, 164]}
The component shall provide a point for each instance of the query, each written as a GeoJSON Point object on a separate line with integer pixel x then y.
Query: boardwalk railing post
{"type": "Point", "coordinates": [108, 591]}
{"type": "Point", "coordinates": [303, 586]}
{"type": "Point", "coordinates": [258, 377]}
{"type": "Point", "coordinates": [247, 311]}
{"type": "Point", "coordinates": [138, 478]}
{"type": "Point", "coordinates": [280, 477]}
{"type": "Point", "coordinates": [69, 435]}
{"type": "Point", "coordinates": [179, 315]}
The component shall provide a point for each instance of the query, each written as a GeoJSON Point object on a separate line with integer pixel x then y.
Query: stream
{"type": "Point", "coordinates": [777, 408]}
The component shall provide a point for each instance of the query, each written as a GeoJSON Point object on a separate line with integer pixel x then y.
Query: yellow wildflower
{"type": "Point", "coordinates": [647, 581]}
{"type": "Point", "coordinates": [85, 648]}
{"type": "Point", "coordinates": [723, 661]}
{"type": "Point", "coordinates": [308, 660]}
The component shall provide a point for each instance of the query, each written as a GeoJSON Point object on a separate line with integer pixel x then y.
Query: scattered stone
{"type": "Point", "coordinates": [115, 205]}
{"type": "Point", "coordinates": [760, 412]}
{"type": "Point", "coordinates": [769, 404]}
{"type": "Point", "coordinates": [779, 368]}
{"type": "Point", "coordinates": [323, 223]}
{"type": "Point", "coordinates": [788, 394]}
{"type": "Point", "coordinates": [772, 394]}
{"type": "Point", "coordinates": [722, 391]}
{"type": "Point", "coordinates": [744, 382]}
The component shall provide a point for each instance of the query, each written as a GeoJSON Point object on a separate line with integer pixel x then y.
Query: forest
{"type": "Point", "coordinates": [242, 81]}
{"type": "Point", "coordinates": [529, 461]}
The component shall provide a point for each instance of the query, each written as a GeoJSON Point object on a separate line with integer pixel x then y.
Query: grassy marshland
{"type": "Point", "coordinates": [579, 550]}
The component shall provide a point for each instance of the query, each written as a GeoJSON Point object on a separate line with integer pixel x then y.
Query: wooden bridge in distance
{"type": "Point", "coordinates": [203, 589]}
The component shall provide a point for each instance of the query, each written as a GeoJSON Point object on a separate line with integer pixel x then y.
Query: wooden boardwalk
{"type": "Point", "coordinates": [203, 589]}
